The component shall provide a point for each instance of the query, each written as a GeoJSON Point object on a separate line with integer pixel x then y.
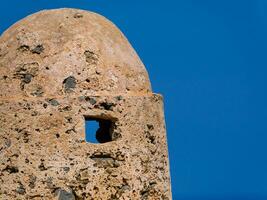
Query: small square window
{"type": "Point", "coordinates": [98, 130]}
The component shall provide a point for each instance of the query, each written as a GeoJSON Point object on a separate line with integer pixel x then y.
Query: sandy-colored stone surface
{"type": "Point", "coordinates": [57, 68]}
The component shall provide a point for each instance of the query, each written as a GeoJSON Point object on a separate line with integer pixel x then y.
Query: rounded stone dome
{"type": "Point", "coordinates": [68, 52]}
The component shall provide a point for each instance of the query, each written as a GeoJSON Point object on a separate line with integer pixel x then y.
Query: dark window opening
{"type": "Point", "coordinates": [98, 130]}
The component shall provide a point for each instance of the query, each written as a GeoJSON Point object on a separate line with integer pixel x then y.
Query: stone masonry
{"type": "Point", "coordinates": [59, 68]}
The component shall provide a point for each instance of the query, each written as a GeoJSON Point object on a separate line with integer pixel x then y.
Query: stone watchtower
{"type": "Point", "coordinates": [59, 69]}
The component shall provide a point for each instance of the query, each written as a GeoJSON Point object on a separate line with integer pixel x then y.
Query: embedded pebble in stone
{"type": "Point", "coordinates": [32, 181]}
{"type": "Point", "coordinates": [11, 169]}
{"type": "Point", "coordinates": [38, 49]}
{"type": "Point", "coordinates": [91, 100]}
{"type": "Point", "coordinates": [53, 102]}
{"type": "Point", "coordinates": [69, 83]}
{"type": "Point", "coordinates": [66, 169]}
{"type": "Point", "coordinates": [107, 105]}
{"type": "Point", "coordinates": [27, 78]}
{"type": "Point", "coordinates": [64, 195]}
{"type": "Point", "coordinates": [91, 57]}
{"type": "Point", "coordinates": [38, 91]}
{"type": "Point", "coordinates": [24, 48]}
{"type": "Point", "coordinates": [20, 189]}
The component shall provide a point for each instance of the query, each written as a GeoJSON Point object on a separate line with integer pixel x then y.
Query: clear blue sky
{"type": "Point", "coordinates": [208, 59]}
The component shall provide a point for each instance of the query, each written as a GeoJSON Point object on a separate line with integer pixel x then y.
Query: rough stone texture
{"type": "Point", "coordinates": [57, 68]}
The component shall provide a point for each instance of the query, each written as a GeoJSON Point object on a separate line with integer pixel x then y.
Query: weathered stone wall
{"type": "Point", "coordinates": [57, 68]}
